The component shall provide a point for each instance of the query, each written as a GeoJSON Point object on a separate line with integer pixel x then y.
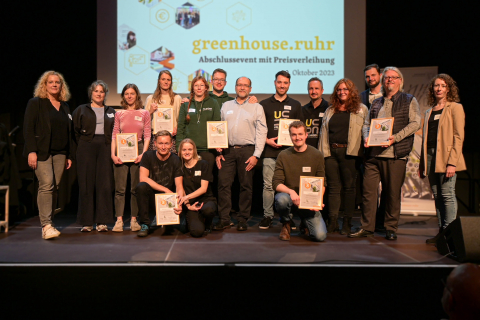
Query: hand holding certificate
{"type": "Point", "coordinates": [311, 192]}
{"type": "Point", "coordinates": [380, 131]}
{"type": "Point", "coordinates": [165, 203]}
{"type": "Point", "coordinates": [283, 133]}
{"type": "Point", "coordinates": [127, 147]}
{"type": "Point", "coordinates": [217, 134]}
{"type": "Point", "coordinates": [163, 120]}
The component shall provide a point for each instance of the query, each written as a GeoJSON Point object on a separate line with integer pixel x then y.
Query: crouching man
{"type": "Point", "coordinates": [296, 161]}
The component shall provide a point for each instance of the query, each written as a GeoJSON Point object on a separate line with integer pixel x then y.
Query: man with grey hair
{"type": "Point", "coordinates": [388, 163]}
{"type": "Point", "coordinates": [247, 132]}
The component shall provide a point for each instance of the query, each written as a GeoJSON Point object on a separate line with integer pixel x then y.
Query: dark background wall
{"type": "Point", "coordinates": [61, 35]}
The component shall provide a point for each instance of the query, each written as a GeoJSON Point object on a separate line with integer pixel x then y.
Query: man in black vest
{"type": "Point", "coordinates": [388, 164]}
{"type": "Point", "coordinates": [372, 78]}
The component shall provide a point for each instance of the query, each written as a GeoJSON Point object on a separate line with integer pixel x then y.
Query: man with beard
{"type": "Point", "coordinates": [372, 78]}
{"type": "Point", "coordinates": [247, 131]}
{"type": "Point", "coordinates": [279, 106]}
{"type": "Point", "coordinates": [314, 110]}
{"type": "Point", "coordinates": [387, 164]}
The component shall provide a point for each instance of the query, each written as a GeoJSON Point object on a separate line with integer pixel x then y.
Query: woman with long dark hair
{"type": "Point", "coordinates": [48, 143]}
{"type": "Point", "coordinates": [132, 119]}
{"type": "Point", "coordinates": [341, 144]}
{"type": "Point", "coordinates": [442, 142]}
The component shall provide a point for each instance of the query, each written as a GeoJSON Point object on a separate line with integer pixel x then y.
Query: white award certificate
{"type": "Point", "coordinates": [163, 120]}
{"type": "Point", "coordinates": [217, 134]}
{"type": "Point", "coordinates": [380, 130]}
{"type": "Point", "coordinates": [127, 147]}
{"type": "Point", "coordinates": [164, 205]}
{"type": "Point", "coordinates": [311, 192]}
{"type": "Point", "coordinates": [283, 133]}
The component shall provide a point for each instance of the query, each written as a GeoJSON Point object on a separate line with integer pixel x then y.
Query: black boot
{"type": "Point", "coordinates": [434, 239]}
{"type": "Point", "coordinates": [332, 224]}
{"type": "Point", "coordinates": [346, 226]}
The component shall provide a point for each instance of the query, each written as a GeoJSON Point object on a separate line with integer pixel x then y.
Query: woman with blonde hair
{"type": "Point", "coordinates": [441, 157]}
{"type": "Point", "coordinates": [48, 143]}
{"type": "Point", "coordinates": [164, 97]}
{"type": "Point", "coordinates": [199, 204]}
{"type": "Point", "coordinates": [341, 144]}
{"type": "Point", "coordinates": [193, 117]}
{"type": "Point", "coordinates": [132, 119]}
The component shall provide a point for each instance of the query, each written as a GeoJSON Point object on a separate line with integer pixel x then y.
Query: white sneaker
{"type": "Point", "coordinates": [134, 226]}
{"type": "Point", "coordinates": [49, 232]}
{"type": "Point", "coordinates": [118, 226]}
{"type": "Point", "coordinates": [86, 229]}
{"type": "Point", "coordinates": [102, 228]}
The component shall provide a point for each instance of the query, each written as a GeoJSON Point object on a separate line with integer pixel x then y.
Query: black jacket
{"type": "Point", "coordinates": [84, 123]}
{"type": "Point", "coordinates": [37, 129]}
{"type": "Point", "coordinates": [365, 99]}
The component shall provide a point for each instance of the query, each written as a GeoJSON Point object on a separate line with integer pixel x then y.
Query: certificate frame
{"type": "Point", "coordinates": [166, 217]}
{"type": "Point", "coordinates": [305, 184]}
{"type": "Point", "coordinates": [284, 139]}
{"type": "Point", "coordinates": [161, 112]}
{"type": "Point", "coordinates": [212, 129]}
{"type": "Point", "coordinates": [377, 127]}
{"type": "Point", "coordinates": [121, 142]}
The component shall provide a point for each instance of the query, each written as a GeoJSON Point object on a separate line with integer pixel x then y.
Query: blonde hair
{"type": "Point", "coordinates": [195, 153]}
{"type": "Point", "coordinates": [40, 90]}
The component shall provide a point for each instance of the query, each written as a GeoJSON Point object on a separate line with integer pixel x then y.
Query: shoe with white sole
{"type": "Point", "coordinates": [49, 232]}
{"type": "Point", "coordinates": [118, 226]}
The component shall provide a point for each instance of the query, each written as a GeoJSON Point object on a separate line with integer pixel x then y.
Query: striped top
{"type": "Point", "coordinates": [133, 121]}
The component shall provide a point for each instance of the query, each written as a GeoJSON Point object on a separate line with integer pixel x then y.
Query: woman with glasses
{"type": "Point", "coordinates": [132, 119]}
{"type": "Point", "coordinates": [164, 97]}
{"type": "Point", "coordinates": [199, 204]}
{"type": "Point", "coordinates": [341, 145]}
{"type": "Point", "coordinates": [193, 117]}
{"type": "Point", "coordinates": [441, 157]}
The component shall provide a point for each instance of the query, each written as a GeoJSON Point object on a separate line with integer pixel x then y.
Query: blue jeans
{"type": "Point", "coordinates": [311, 219]}
{"type": "Point", "coordinates": [443, 192]}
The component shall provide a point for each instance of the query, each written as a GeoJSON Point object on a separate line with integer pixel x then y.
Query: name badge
{"type": "Point", "coordinates": [70, 116]}
{"type": "Point", "coordinates": [307, 169]}
{"type": "Point", "coordinates": [191, 110]}
{"type": "Point", "coordinates": [138, 118]}
{"type": "Point", "coordinates": [110, 115]}
{"type": "Point", "coordinates": [230, 112]}
{"type": "Point", "coordinates": [437, 116]}
{"type": "Point", "coordinates": [287, 107]}
{"type": "Point", "coordinates": [198, 173]}
{"type": "Point", "coordinates": [321, 114]}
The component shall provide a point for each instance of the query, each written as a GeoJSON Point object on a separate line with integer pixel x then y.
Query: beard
{"type": "Point", "coordinates": [373, 85]}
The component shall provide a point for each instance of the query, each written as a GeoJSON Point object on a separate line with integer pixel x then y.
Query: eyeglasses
{"type": "Point", "coordinates": [344, 89]}
{"type": "Point", "coordinates": [218, 80]}
{"type": "Point", "coordinates": [242, 85]}
{"type": "Point", "coordinates": [391, 78]}
{"type": "Point", "coordinates": [199, 86]}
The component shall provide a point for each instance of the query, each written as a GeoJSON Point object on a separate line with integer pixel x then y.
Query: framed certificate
{"type": "Point", "coordinates": [164, 205]}
{"type": "Point", "coordinates": [127, 146]}
{"type": "Point", "coordinates": [380, 130]}
{"type": "Point", "coordinates": [283, 133]}
{"type": "Point", "coordinates": [217, 134]}
{"type": "Point", "coordinates": [163, 120]}
{"type": "Point", "coordinates": [311, 192]}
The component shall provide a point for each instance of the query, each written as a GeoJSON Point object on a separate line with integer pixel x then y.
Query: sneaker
{"type": "Point", "coordinates": [145, 229]}
{"type": "Point", "coordinates": [242, 226]}
{"type": "Point", "coordinates": [265, 223]}
{"type": "Point", "coordinates": [86, 229]}
{"type": "Point", "coordinates": [49, 232]}
{"type": "Point", "coordinates": [293, 226]}
{"type": "Point", "coordinates": [102, 228]}
{"type": "Point", "coordinates": [220, 225]}
{"type": "Point", "coordinates": [285, 233]}
{"type": "Point", "coordinates": [118, 226]}
{"type": "Point", "coordinates": [134, 226]}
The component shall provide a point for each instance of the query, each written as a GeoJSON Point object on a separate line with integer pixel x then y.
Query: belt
{"type": "Point", "coordinates": [238, 147]}
{"type": "Point", "coordinates": [338, 145]}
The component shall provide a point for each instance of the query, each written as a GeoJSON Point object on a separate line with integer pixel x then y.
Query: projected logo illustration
{"type": "Point", "coordinates": [187, 16]}
{"type": "Point", "coordinates": [161, 59]}
{"type": "Point", "coordinates": [239, 16]}
{"type": "Point", "coordinates": [136, 60]}
{"type": "Point", "coordinates": [162, 15]}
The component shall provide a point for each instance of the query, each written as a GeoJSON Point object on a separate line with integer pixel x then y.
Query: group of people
{"type": "Point", "coordinates": [330, 139]}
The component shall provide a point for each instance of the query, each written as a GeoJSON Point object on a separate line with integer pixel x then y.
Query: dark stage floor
{"type": "Point", "coordinates": [24, 245]}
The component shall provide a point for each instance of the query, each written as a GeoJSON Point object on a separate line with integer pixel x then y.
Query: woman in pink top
{"type": "Point", "coordinates": [132, 119]}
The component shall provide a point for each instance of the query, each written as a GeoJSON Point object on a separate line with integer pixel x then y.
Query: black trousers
{"type": "Point", "coordinates": [391, 173]}
{"type": "Point", "coordinates": [341, 174]}
{"type": "Point", "coordinates": [145, 201]}
{"type": "Point", "coordinates": [95, 182]}
{"type": "Point", "coordinates": [209, 156]}
{"type": "Point", "coordinates": [198, 220]}
{"type": "Point", "coordinates": [235, 164]}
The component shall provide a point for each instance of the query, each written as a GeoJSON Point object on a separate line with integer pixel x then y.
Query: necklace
{"type": "Point", "coordinates": [199, 112]}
